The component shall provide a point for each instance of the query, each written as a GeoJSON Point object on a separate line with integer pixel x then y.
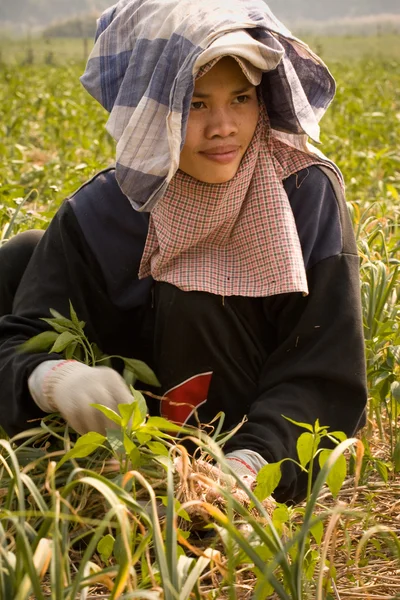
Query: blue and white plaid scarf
{"type": "Point", "coordinates": [144, 63]}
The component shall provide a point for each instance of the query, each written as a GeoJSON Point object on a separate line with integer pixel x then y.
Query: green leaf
{"type": "Point", "coordinates": [158, 448]}
{"type": "Point", "coordinates": [317, 531]}
{"type": "Point", "coordinates": [303, 425]}
{"type": "Point", "coordinates": [395, 389]}
{"type": "Point", "coordinates": [311, 562]}
{"type": "Point", "coordinates": [73, 314]}
{"type": "Point", "coordinates": [305, 447]}
{"type": "Point", "coordinates": [142, 437]}
{"type": "Point", "coordinates": [56, 326]}
{"type": "Point", "coordinates": [109, 413]}
{"type": "Point", "coordinates": [162, 424]}
{"type": "Point", "coordinates": [39, 343]}
{"type": "Point", "coordinates": [70, 351]}
{"type": "Point", "coordinates": [135, 457]}
{"type": "Point", "coordinates": [126, 412]}
{"type": "Point", "coordinates": [58, 318]}
{"type": "Point", "coordinates": [263, 588]}
{"type": "Point", "coordinates": [181, 512]}
{"type": "Point", "coordinates": [382, 377]}
{"type": "Point", "coordinates": [78, 353]}
{"type": "Point", "coordinates": [395, 351]}
{"type": "Point", "coordinates": [280, 514]}
{"type": "Point", "coordinates": [280, 517]}
{"type": "Point", "coordinates": [98, 354]}
{"type": "Point", "coordinates": [137, 420]}
{"type": "Point", "coordinates": [105, 546]}
{"type": "Point", "coordinates": [115, 438]}
{"type": "Point", "coordinates": [85, 445]}
{"type": "Point", "coordinates": [396, 458]}
{"type": "Point", "coordinates": [129, 377]}
{"type": "Point", "coordinates": [337, 473]}
{"type": "Point", "coordinates": [142, 371]}
{"type": "Point", "coordinates": [339, 435]}
{"type": "Point", "coordinates": [119, 548]}
{"type": "Point", "coordinates": [92, 437]}
{"type": "Point", "coordinates": [59, 321]}
{"type": "Point", "coordinates": [140, 399]}
{"type": "Point", "coordinates": [128, 444]}
{"type": "Point", "coordinates": [382, 469]}
{"type": "Point", "coordinates": [267, 480]}
{"type": "Point", "coordinates": [139, 409]}
{"type": "Point", "coordinates": [393, 192]}
{"type": "Point", "coordinates": [264, 552]}
{"type": "Point", "coordinates": [184, 534]}
{"type": "Point", "coordinates": [63, 340]}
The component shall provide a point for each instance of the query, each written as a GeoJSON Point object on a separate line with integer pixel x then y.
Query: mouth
{"type": "Point", "coordinates": [223, 155]}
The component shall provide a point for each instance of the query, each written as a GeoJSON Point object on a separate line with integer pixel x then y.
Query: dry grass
{"type": "Point", "coordinates": [367, 565]}
{"type": "Point", "coordinates": [364, 565]}
{"type": "Point", "coordinates": [359, 541]}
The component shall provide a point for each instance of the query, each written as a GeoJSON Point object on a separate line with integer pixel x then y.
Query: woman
{"type": "Point", "coordinates": [236, 277]}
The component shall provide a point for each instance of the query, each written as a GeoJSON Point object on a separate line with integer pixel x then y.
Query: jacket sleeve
{"type": "Point", "coordinates": [317, 370]}
{"type": "Point", "coordinates": [63, 267]}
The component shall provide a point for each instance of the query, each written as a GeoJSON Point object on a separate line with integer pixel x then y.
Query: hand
{"type": "Point", "coordinates": [200, 483]}
{"type": "Point", "coordinates": [243, 470]}
{"type": "Point", "coordinates": [71, 387]}
{"type": "Point", "coordinates": [246, 464]}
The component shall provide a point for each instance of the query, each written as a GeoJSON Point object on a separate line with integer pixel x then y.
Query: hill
{"type": "Point", "coordinates": [37, 14]}
{"type": "Point", "coordinates": [324, 10]}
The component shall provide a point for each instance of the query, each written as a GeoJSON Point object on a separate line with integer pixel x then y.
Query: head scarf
{"type": "Point", "coordinates": [236, 238]}
{"type": "Point", "coordinates": [144, 63]}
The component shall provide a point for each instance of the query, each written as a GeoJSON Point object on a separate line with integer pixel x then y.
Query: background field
{"type": "Point", "coordinates": [60, 51]}
{"type": "Point", "coordinates": [52, 139]}
{"type": "Point", "coordinates": [54, 135]}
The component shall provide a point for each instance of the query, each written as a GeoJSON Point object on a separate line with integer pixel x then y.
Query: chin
{"type": "Point", "coordinates": [216, 177]}
{"type": "Point", "coordinates": [216, 180]}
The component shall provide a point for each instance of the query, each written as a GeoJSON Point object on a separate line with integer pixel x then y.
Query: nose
{"type": "Point", "coordinates": [222, 123]}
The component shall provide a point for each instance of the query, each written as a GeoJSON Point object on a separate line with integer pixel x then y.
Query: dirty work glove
{"type": "Point", "coordinates": [70, 387]}
{"type": "Point", "coordinates": [200, 485]}
{"type": "Point", "coordinates": [246, 464]}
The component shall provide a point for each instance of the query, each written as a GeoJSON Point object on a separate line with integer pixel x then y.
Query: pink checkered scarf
{"type": "Point", "coordinates": [238, 238]}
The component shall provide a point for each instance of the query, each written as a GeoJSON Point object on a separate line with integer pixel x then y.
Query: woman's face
{"type": "Point", "coordinates": [222, 121]}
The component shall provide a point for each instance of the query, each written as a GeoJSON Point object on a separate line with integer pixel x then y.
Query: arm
{"type": "Point", "coordinates": [317, 369]}
{"type": "Point", "coordinates": [63, 267]}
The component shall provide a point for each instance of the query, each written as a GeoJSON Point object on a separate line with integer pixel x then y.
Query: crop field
{"type": "Point", "coordinates": [104, 517]}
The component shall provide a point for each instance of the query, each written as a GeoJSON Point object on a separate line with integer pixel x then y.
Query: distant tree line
{"type": "Point", "coordinates": [322, 10]}
{"type": "Point", "coordinates": [85, 27]}
{"type": "Point", "coordinates": [77, 27]}
{"type": "Point", "coordinates": [45, 12]}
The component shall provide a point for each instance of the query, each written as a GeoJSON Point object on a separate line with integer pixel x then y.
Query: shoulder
{"type": "Point", "coordinates": [115, 232]}
{"type": "Point", "coordinates": [321, 214]}
{"type": "Point", "coordinates": [101, 192]}
{"type": "Point", "coordinates": [100, 204]}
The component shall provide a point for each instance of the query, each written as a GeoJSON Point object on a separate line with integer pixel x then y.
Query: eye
{"type": "Point", "coordinates": [242, 99]}
{"type": "Point", "coordinates": [197, 105]}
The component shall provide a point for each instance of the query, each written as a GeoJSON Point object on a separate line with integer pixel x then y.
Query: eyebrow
{"type": "Point", "coordinates": [234, 93]}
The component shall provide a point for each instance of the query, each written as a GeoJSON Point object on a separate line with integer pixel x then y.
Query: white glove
{"type": "Point", "coordinates": [246, 464]}
{"type": "Point", "coordinates": [70, 387]}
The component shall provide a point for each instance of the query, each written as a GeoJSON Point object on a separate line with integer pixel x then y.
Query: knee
{"type": "Point", "coordinates": [15, 255]}
{"type": "Point", "coordinates": [19, 249]}
{"type": "Point", "coordinates": [26, 240]}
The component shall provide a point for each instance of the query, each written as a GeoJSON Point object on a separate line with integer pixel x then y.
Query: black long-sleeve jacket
{"type": "Point", "coordinates": [302, 357]}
